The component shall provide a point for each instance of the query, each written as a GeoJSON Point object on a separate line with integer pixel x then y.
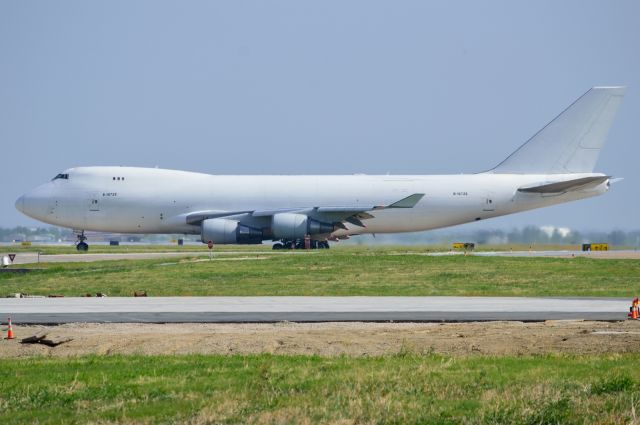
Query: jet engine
{"type": "Point", "coordinates": [296, 226]}
{"type": "Point", "coordinates": [223, 231]}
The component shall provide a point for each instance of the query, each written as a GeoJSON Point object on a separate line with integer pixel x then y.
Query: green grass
{"type": "Point", "coordinates": [346, 271]}
{"type": "Point", "coordinates": [405, 388]}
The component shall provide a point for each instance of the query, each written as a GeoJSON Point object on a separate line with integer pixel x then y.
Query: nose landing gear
{"type": "Point", "coordinates": [82, 245]}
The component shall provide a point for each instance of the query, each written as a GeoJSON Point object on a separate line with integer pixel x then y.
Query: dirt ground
{"type": "Point", "coordinates": [333, 339]}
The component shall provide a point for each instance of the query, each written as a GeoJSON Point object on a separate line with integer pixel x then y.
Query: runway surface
{"type": "Point", "coordinates": [308, 309]}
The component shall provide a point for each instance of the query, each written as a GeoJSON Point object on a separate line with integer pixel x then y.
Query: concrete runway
{"type": "Point", "coordinates": [308, 309]}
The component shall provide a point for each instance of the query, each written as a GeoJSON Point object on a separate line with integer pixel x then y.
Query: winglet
{"type": "Point", "coordinates": [408, 202]}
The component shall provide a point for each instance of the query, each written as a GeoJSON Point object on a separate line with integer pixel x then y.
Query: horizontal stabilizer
{"type": "Point", "coordinates": [566, 185]}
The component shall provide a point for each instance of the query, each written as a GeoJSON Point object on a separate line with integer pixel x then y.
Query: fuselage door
{"type": "Point", "coordinates": [489, 204]}
{"type": "Point", "coordinates": [92, 209]}
{"type": "Point", "coordinates": [93, 202]}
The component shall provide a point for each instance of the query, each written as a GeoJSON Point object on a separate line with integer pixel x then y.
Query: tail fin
{"type": "Point", "coordinates": [571, 142]}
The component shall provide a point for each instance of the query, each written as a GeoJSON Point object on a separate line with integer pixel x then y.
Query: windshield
{"type": "Point", "coordinates": [61, 176]}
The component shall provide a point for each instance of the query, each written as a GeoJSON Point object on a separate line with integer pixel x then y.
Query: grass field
{"type": "Point", "coordinates": [404, 388]}
{"type": "Point", "coordinates": [345, 271]}
{"type": "Point", "coordinates": [409, 387]}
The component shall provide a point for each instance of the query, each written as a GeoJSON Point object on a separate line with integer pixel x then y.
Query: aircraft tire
{"type": "Point", "coordinates": [82, 246]}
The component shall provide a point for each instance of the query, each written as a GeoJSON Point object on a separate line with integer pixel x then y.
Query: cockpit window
{"type": "Point", "coordinates": [61, 176]}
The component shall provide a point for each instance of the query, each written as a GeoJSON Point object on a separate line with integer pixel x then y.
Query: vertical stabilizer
{"type": "Point", "coordinates": [571, 142]}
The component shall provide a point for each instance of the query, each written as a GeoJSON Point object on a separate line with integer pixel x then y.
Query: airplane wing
{"type": "Point", "coordinates": [335, 214]}
{"type": "Point", "coordinates": [565, 185]}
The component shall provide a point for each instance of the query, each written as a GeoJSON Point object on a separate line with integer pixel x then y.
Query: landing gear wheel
{"type": "Point", "coordinates": [323, 245]}
{"type": "Point", "coordinates": [278, 246]}
{"type": "Point", "coordinates": [82, 245]}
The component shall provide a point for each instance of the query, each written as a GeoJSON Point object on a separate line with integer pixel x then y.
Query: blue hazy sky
{"type": "Point", "coordinates": [293, 87]}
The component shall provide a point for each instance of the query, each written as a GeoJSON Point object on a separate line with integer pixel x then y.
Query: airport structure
{"type": "Point", "coordinates": [556, 165]}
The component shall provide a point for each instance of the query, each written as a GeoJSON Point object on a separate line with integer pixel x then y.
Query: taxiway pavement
{"type": "Point", "coordinates": [308, 309]}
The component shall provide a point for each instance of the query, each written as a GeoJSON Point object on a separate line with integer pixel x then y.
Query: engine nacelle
{"type": "Point", "coordinates": [297, 226]}
{"type": "Point", "coordinates": [223, 231]}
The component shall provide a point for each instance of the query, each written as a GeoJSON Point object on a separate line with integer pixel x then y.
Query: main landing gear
{"type": "Point", "coordinates": [82, 245]}
{"type": "Point", "coordinates": [300, 244]}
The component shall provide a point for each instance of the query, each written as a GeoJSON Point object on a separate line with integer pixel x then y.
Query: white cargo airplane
{"type": "Point", "coordinates": [556, 165]}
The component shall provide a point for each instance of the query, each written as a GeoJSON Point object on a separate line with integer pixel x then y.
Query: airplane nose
{"type": "Point", "coordinates": [20, 204]}
{"type": "Point", "coordinates": [32, 204]}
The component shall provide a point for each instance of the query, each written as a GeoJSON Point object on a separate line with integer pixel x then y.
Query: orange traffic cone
{"type": "Point", "coordinates": [10, 330]}
{"type": "Point", "coordinates": [634, 310]}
